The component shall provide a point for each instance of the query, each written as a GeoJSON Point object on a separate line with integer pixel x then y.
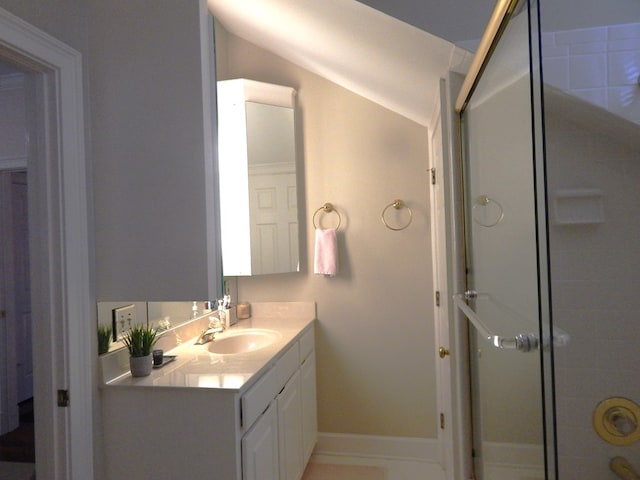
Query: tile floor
{"type": "Point", "coordinates": [325, 471]}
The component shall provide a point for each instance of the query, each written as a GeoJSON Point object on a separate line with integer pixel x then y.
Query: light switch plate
{"type": "Point", "coordinates": [123, 318]}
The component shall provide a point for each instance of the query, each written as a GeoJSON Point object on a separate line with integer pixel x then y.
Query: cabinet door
{"type": "Point", "coordinates": [260, 448]}
{"type": "Point", "coordinates": [290, 429]}
{"type": "Point", "coordinates": [309, 406]}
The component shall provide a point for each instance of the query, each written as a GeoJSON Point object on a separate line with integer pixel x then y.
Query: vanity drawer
{"type": "Point", "coordinates": [306, 342]}
{"type": "Point", "coordinates": [286, 366]}
{"type": "Point", "coordinates": [257, 398]}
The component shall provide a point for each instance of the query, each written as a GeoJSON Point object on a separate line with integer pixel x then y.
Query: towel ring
{"type": "Point", "coordinates": [397, 204]}
{"type": "Point", "coordinates": [483, 201]}
{"type": "Point", "coordinates": [327, 208]}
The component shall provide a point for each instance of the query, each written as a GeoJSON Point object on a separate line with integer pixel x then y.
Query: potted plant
{"type": "Point", "coordinates": [104, 338]}
{"type": "Point", "coordinates": [140, 340]}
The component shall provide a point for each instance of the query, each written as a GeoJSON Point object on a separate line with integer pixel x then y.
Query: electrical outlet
{"type": "Point", "coordinates": [123, 318]}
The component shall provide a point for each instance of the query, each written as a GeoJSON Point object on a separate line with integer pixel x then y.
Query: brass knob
{"type": "Point", "coordinates": [443, 352]}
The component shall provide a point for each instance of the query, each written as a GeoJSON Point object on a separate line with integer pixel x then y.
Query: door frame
{"type": "Point", "coordinates": [63, 344]}
{"type": "Point", "coordinates": [451, 331]}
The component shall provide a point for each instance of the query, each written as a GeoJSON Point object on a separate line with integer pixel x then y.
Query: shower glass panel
{"type": "Point", "coordinates": [506, 297]}
{"type": "Point", "coordinates": [591, 63]}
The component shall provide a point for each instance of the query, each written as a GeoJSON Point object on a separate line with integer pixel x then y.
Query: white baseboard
{"type": "Point", "coordinates": [401, 458]}
{"type": "Point", "coordinates": [370, 446]}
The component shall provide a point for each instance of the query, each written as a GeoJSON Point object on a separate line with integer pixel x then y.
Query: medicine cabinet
{"type": "Point", "coordinates": [258, 178]}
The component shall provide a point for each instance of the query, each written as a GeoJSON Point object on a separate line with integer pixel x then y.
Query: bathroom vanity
{"type": "Point", "coordinates": [238, 415]}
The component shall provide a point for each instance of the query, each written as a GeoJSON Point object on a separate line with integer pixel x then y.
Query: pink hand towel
{"type": "Point", "coordinates": [326, 255]}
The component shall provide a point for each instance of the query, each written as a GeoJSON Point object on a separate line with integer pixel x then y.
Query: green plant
{"type": "Point", "coordinates": [104, 338]}
{"type": "Point", "coordinates": [140, 340]}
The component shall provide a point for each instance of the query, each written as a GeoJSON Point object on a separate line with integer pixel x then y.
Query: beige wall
{"type": "Point", "coordinates": [375, 336]}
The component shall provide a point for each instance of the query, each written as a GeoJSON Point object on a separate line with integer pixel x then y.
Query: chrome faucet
{"type": "Point", "coordinates": [208, 335]}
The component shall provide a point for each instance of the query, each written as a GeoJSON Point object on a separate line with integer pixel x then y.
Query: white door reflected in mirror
{"type": "Point", "coordinates": [258, 187]}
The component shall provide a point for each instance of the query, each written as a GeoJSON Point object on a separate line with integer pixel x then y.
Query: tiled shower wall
{"type": "Point", "coordinates": [595, 265]}
{"type": "Point", "coordinates": [600, 65]}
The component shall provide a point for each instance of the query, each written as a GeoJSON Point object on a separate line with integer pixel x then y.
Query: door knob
{"type": "Point", "coordinates": [443, 352]}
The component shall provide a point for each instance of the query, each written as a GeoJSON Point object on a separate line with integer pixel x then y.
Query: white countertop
{"type": "Point", "coordinates": [196, 367]}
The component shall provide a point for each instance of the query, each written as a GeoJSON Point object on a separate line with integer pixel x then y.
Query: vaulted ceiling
{"type": "Point", "coordinates": [358, 47]}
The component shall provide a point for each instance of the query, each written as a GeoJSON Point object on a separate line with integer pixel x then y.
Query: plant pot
{"type": "Point", "coordinates": [140, 366]}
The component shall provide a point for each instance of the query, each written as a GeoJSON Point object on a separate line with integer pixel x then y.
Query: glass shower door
{"type": "Point", "coordinates": [592, 147]}
{"type": "Point", "coordinates": [505, 297]}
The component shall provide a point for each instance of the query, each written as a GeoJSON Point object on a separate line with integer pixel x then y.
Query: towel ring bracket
{"type": "Point", "coordinates": [327, 208]}
{"type": "Point", "coordinates": [397, 205]}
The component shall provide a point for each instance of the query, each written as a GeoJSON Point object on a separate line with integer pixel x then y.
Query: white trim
{"type": "Point", "coordinates": [400, 457]}
{"type": "Point", "coordinates": [439, 235]}
{"type": "Point", "coordinates": [63, 353]}
{"type": "Point", "coordinates": [460, 445]}
{"type": "Point", "coordinates": [370, 446]}
{"type": "Point", "coordinates": [280, 168]}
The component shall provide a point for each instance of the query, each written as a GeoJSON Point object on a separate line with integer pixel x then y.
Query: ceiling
{"type": "Point", "coordinates": [373, 54]}
{"type": "Point", "coordinates": [454, 20]}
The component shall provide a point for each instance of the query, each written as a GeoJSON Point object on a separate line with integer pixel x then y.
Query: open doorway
{"type": "Point", "coordinates": [64, 348]}
{"type": "Point", "coordinates": [17, 435]}
{"type": "Point", "coordinates": [16, 360]}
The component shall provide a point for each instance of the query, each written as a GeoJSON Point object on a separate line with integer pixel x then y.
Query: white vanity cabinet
{"type": "Point", "coordinates": [296, 414]}
{"type": "Point", "coordinates": [309, 406]}
{"type": "Point", "coordinates": [260, 459]}
{"type": "Point", "coordinates": [263, 432]}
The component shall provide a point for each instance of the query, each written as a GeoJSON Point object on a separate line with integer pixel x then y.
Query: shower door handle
{"type": "Point", "coordinates": [523, 342]}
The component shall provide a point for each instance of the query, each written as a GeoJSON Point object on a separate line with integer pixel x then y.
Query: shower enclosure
{"type": "Point", "coordinates": [550, 141]}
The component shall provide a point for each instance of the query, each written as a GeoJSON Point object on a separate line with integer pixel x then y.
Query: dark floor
{"type": "Point", "coordinates": [18, 445]}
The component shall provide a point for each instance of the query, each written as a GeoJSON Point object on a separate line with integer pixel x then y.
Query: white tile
{"type": "Point", "coordinates": [588, 71]}
{"type": "Point", "coordinates": [625, 101]}
{"type": "Point", "coordinates": [579, 353]}
{"type": "Point", "coordinates": [596, 96]}
{"type": "Point", "coordinates": [624, 68]}
{"type": "Point", "coordinates": [583, 35]}
{"type": "Point", "coordinates": [556, 72]}
{"type": "Point", "coordinates": [623, 45]}
{"type": "Point", "coordinates": [548, 39]}
{"type": "Point", "coordinates": [550, 51]}
{"type": "Point", "coordinates": [586, 48]}
{"type": "Point", "coordinates": [629, 30]}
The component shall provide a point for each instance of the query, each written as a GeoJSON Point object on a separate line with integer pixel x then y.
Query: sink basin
{"type": "Point", "coordinates": [243, 341]}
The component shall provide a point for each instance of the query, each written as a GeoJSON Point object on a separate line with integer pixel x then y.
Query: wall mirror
{"type": "Point", "coordinates": [118, 317]}
{"type": "Point", "coordinates": [258, 186]}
